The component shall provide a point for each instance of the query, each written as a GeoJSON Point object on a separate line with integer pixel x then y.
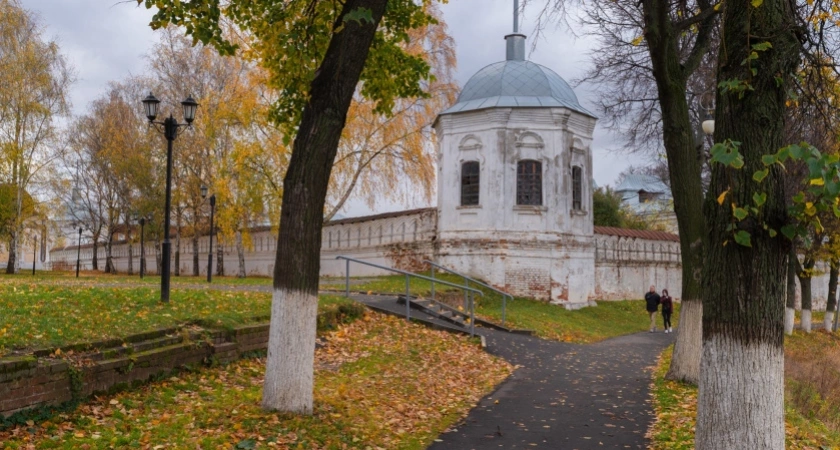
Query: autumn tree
{"type": "Point", "coordinates": [34, 79]}
{"type": "Point", "coordinates": [316, 53]}
{"type": "Point", "coordinates": [649, 55]}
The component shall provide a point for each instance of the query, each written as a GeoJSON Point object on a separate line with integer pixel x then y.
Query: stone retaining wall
{"type": "Point", "coordinates": [43, 379]}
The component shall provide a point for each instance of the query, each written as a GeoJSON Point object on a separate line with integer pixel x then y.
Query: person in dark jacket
{"type": "Point", "coordinates": [667, 309]}
{"type": "Point", "coordinates": [652, 304]}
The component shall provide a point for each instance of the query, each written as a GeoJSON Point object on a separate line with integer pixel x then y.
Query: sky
{"type": "Point", "coordinates": [107, 40]}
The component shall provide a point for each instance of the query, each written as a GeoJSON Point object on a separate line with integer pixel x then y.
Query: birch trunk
{"type": "Point", "coordinates": [805, 278]}
{"type": "Point", "coordinates": [740, 402]}
{"type": "Point", "coordinates": [240, 254]}
{"type": "Point", "coordinates": [291, 346]}
{"type": "Point", "coordinates": [10, 265]}
{"type": "Point", "coordinates": [790, 294]}
{"type": "Point", "coordinates": [831, 301]}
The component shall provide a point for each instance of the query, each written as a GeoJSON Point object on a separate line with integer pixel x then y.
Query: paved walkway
{"type": "Point", "coordinates": [564, 396]}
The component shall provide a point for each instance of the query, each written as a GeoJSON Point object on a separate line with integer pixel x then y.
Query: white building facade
{"type": "Point", "coordinates": [514, 181]}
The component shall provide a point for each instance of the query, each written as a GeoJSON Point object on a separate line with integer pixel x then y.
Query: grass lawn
{"type": "Point", "coordinates": [812, 397]}
{"type": "Point", "coordinates": [380, 383]}
{"type": "Point", "coordinates": [608, 319]}
{"type": "Point", "coordinates": [35, 314]}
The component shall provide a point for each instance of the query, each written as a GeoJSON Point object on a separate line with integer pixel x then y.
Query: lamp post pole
{"type": "Point", "coordinates": [34, 252]}
{"type": "Point", "coordinates": [210, 251]}
{"type": "Point", "coordinates": [79, 253]}
{"type": "Point", "coordinates": [170, 132]}
{"type": "Point", "coordinates": [142, 246]}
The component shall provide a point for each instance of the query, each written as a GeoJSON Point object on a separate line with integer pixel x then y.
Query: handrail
{"type": "Point", "coordinates": [467, 290]}
{"type": "Point", "coordinates": [467, 280]}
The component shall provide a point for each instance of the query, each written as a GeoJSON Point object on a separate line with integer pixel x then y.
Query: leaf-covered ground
{"type": "Point", "coordinates": [38, 315]}
{"type": "Point", "coordinates": [380, 383]}
{"type": "Point", "coordinates": [675, 403]}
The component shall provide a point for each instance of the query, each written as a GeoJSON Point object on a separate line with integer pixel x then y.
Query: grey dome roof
{"type": "Point", "coordinates": [516, 84]}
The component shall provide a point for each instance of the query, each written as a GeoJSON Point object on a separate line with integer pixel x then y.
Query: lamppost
{"type": "Point", "coordinates": [34, 251]}
{"type": "Point", "coordinates": [210, 250]}
{"type": "Point", "coordinates": [79, 253]}
{"type": "Point", "coordinates": [142, 221]}
{"type": "Point", "coordinates": [170, 128]}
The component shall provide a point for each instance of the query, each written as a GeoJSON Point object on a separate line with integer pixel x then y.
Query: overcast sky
{"type": "Point", "coordinates": [107, 39]}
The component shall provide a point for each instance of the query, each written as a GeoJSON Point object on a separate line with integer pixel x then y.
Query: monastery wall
{"type": "Point", "coordinates": [626, 262]}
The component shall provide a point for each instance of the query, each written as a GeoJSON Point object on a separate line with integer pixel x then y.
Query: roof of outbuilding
{"type": "Point", "coordinates": [640, 234]}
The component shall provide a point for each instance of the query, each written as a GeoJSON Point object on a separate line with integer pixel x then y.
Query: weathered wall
{"type": "Point", "coordinates": [626, 267]}
{"type": "Point", "coordinates": [39, 380]}
{"type": "Point", "coordinates": [399, 240]}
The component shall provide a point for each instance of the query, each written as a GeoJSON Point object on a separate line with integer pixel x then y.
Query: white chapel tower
{"type": "Point", "coordinates": [514, 181]}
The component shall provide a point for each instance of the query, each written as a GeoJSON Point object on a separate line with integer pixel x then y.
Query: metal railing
{"type": "Point", "coordinates": [467, 281]}
{"type": "Point", "coordinates": [468, 291]}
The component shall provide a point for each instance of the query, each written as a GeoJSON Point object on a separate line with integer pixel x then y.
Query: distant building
{"type": "Point", "coordinates": [649, 198]}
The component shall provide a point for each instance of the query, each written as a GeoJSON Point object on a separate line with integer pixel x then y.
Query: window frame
{"type": "Point", "coordinates": [529, 179]}
{"type": "Point", "coordinates": [471, 183]}
{"type": "Point", "coordinates": [577, 188]}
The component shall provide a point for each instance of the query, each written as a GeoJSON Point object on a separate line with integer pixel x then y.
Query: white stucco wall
{"type": "Point", "coordinates": [542, 251]}
{"type": "Point", "coordinates": [626, 267]}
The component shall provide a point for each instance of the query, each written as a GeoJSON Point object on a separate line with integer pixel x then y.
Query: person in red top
{"type": "Point", "coordinates": [667, 308]}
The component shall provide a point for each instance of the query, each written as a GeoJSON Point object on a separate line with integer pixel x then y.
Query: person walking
{"type": "Point", "coordinates": [667, 309]}
{"type": "Point", "coordinates": [652, 300]}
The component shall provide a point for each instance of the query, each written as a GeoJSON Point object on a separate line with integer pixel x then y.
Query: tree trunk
{"type": "Point", "coordinates": [95, 255]}
{"type": "Point", "coordinates": [220, 259]}
{"type": "Point", "coordinates": [196, 270]}
{"type": "Point", "coordinates": [10, 265]}
{"type": "Point", "coordinates": [178, 253]}
{"type": "Point", "coordinates": [240, 254]}
{"type": "Point", "coordinates": [158, 258]}
{"type": "Point", "coordinates": [291, 347]}
{"type": "Point", "coordinates": [805, 277]}
{"type": "Point", "coordinates": [130, 257]}
{"type": "Point", "coordinates": [790, 302]}
{"type": "Point", "coordinates": [740, 402]}
{"type": "Point", "coordinates": [831, 301]}
{"type": "Point", "coordinates": [684, 167]}
{"type": "Point", "coordinates": [109, 258]}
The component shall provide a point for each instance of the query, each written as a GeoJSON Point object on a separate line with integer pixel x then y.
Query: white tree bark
{"type": "Point", "coordinates": [741, 400]}
{"type": "Point", "coordinates": [790, 316]}
{"type": "Point", "coordinates": [685, 364]}
{"type": "Point", "coordinates": [806, 320]}
{"type": "Point", "coordinates": [291, 352]}
{"type": "Point", "coordinates": [828, 321]}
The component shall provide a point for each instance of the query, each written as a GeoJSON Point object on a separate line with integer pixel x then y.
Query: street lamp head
{"type": "Point", "coordinates": [135, 216]}
{"type": "Point", "coordinates": [203, 191]}
{"type": "Point", "coordinates": [190, 106]}
{"type": "Point", "coordinates": [150, 104]}
{"type": "Point", "coordinates": [709, 124]}
{"type": "Point", "coordinates": [80, 231]}
{"type": "Point", "coordinates": [213, 200]}
{"type": "Point", "coordinates": [142, 221]}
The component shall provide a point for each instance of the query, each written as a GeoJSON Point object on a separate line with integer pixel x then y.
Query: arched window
{"type": "Point", "coordinates": [577, 188]}
{"type": "Point", "coordinates": [529, 182]}
{"type": "Point", "coordinates": [469, 183]}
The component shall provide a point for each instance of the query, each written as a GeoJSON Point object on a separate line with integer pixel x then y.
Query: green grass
{"type": "Point", "coordinates": [151, 280]}
{"type": "Point", "coordinates": [586, 325]}
{"type": "Point", "coordinates": [42, 315]}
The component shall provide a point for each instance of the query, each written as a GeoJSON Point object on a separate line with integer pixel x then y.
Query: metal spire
{"type": "Point", "coordinates": [515, 16]}
{"type": "Point", "coordinates": [515, 41]}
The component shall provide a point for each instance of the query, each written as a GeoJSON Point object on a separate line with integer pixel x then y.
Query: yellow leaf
{"type": "Point", "coordinates": [638, 40]}
{"type": "Point", "coordinates": [817, 182]}
{"type": "Point", "coordinates": [722, 197]}
{"type": "Point", "coordinates": [756, 3]}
